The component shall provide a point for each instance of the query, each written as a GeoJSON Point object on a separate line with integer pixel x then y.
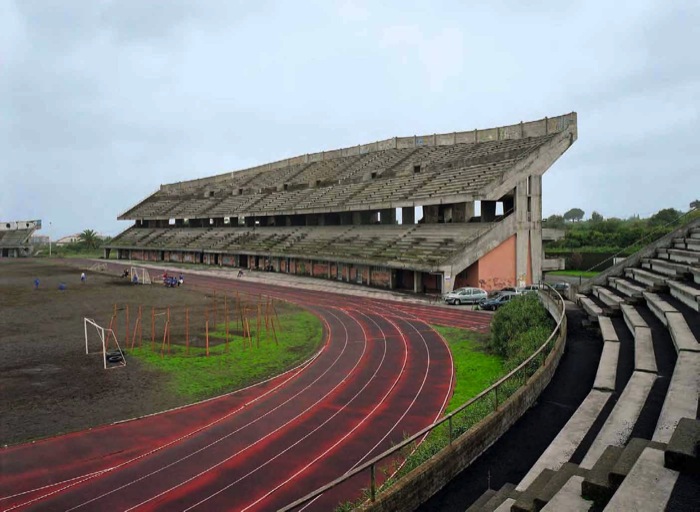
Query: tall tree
{"type": "Point", "coordinates": [575, 214]}
{"type": "Point", "coordinates": [597, 217]}
{"type": "Point", "coordinates": [89, 238]}
{"type": "Point", "coordinates": [664, 217]}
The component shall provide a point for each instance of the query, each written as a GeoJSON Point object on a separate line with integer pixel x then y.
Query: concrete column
{"type": "Point", "coordinates": [522, 232]}
{"type": "Point", "coordinates": [417, 281]}
{"type": "Point", "coordinates": [462, 212]}
{"type": "Point", "coordinates": [536, 251]}
{"type": "Point", "coordinates": [408, 215]}
{"type": "Point", "coordinates": [488, 211]}
{"type": "Point", "coordinates": [448, 282]}
{"type": "Point", "coordinates": [388, 216]}
{"type": "Point", "coordinates": [430, 214]}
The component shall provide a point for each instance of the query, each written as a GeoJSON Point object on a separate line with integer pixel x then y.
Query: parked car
{"type": "Point", "coordinates": [465, 296]}
{"type": "Point", "coordinates": [497, 301]}
{"type": "Point", "coordinates": [561, 287]}
{"type": "Point", "coordinates": [530, 288]}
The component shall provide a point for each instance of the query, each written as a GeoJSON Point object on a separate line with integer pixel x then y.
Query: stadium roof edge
{"type": "Point", "coordinates": [544, 126]}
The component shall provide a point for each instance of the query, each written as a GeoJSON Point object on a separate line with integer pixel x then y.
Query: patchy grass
{"type": "Point", "coordinates": [196, 376]}
{"type": "Point", "coordinates": [475, 369]}
{"type": "Point", "coordinates": [573, 273]}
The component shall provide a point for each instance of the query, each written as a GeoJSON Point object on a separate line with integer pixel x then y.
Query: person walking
{"type": "Point", "coordinates": [83, 278]}
{"type": "Point", "coordinates": [36, 283]}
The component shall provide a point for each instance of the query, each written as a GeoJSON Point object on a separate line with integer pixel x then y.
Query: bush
{"type": "Point", "coordinates": [519, 328]}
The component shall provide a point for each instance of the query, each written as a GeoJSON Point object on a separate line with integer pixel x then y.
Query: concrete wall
{"type": "Point", "coordinates": [496, 269]}
{"type": "Point", "coordinates": [426, 480]}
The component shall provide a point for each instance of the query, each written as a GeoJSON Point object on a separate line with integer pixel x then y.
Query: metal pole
{"type": "Point", "coordinates": [373, 485]}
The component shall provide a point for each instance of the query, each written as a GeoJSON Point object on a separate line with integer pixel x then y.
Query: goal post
{"type": "Point", "coordinates": [98, 339]}
{"type": "Point", "coordinates": [142, 275]}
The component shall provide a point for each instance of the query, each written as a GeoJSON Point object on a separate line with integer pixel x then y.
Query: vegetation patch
{"type": "Point", "coordinates": [229, 367]}
{"type": "Point", "coordinates": [475, 368]}
{"type": "Point", "coordinates": [574, 273]}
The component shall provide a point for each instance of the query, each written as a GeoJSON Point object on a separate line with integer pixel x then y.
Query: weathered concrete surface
{"type": "Point", "coordinates": [564, 445]}
{"type": "Point", "coordinates": [618, 427]}
{"type": "Point", "coordinates": [648, 486]}
{"type": "Point", "coordinates": [607, 368]}
{"type": "Point", "coordinates": [682, 395]}
{"type": "Point", "coordinates": [569, 498]}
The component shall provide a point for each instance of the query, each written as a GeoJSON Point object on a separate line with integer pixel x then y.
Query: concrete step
{"type": "Point", "coordinates": [569, 437]}
{"type": "Point", "coordinates": [696, 275]}
{"type": "Point", "coordinates": [507, 492]}
{"type": "Point", "coordinates": [648, 485]}
{"type": "Point", "coordinates": [526, 500]}
{"type": "Point", "coordinates": [683, 256]}
{"type": "Point", "coordinates": [478, 504]}
{"type": "Point", "coordinates": [596, 484]}
{"type": "Point", "coordinates": [687, 294]}
{"type": "Point", "coordinates": [683, 449]}
{"type": "Point", "coordinates": [618, 426]}
{"type": "Point", "coordinates": [626, 287]}
{"type": "Point", "coordinates": [569, 498]}
{"type": "Point", "coordinates": [651, 279]}
{"type": "Point", "coordinates": [688, 244]}
{"type": "Point", "coordinates": [682, 396]}
{"type": "Point", "coordinates": [659, 307]}
{"type": "Point", "coordinates": [556, 482]}
{"type": "Point", "coordinates": [607, 367]}
{"type": "Point", "coordinates": [628, 458]}
{"type": "Point", "coordinates": [644, 359]}
{"type": "Point", "coordinates": [666, 267]}
{"type": "Point", "coordinates": [506, 506]}
{"type": "Point", "coordinates": [607, 297]}
{"type": "Point", "coordinates": [607, 331]}
{"type": "Point", "coordinates": [683, 338]}
{"type": "Point", "coordinates": [590, 307]}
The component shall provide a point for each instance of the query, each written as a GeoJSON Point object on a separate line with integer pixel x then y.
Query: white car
{"type": "Point", "coordinates": [465, 296]}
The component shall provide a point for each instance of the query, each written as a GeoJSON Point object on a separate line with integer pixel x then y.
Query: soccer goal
{"type": "Point", "coordinates": [140, 275]}
{"type": "Point", "coordinates": [99, 340]}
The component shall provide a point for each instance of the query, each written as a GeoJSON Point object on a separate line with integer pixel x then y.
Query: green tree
{"type": "Point", "coordinates": [664, 217]}
{"type": "Point", "coordinates": [575, 214]}
{"type": "Point", "coordinates": [597, 217]}
{"type": "Point", "coordinates": [89, 239]}
{"type": "Point", "coordinates": [554, 221]}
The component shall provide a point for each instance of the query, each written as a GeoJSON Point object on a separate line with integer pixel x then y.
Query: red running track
{"type": "Point", "coordinates": [381, 373]}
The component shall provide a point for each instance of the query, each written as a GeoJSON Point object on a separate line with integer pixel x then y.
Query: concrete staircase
{"type": "Point", "coordinates": [634, 442]}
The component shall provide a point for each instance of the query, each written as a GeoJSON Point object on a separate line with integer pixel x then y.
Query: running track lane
{"type": "Point", "coordinates": [360, 426]}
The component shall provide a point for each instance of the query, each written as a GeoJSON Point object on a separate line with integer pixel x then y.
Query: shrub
{"type": "Point", "coordinates": [519, 327]}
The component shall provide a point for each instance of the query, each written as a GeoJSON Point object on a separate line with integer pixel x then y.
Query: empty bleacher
{"type": "Point", "coordinates": [620, 449]}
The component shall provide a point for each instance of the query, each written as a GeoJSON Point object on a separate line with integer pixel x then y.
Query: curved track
{"type": "Point", "coordinates": [381, 373]}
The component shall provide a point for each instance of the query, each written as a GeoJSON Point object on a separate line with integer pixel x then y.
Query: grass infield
{"type": "Point", "coordinates": [573, 273]}
{"type": "Point", "coordinates": [196, 376]}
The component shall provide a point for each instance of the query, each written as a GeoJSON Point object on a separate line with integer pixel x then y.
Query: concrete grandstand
{"type": "Point", "coordinates": [336, 214]}
{"type": "Point", "coordinates": [15, 238]}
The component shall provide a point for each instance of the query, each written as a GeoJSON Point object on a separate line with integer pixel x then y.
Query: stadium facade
{"type": "Point", "coordinates": [15, 238]}
{"type": "Point", "coordinates": [354, 214]}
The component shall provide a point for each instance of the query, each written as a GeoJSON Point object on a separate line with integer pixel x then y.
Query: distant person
{"type": "Point", "coordinates": [83, 278]}
{"type": "Point", "coordinates": [36, 283]}
{"type": "Point", "coordinates": [135, 279]}
{"type": "Point", "coordinates": [240, 273]}
{"type": "Point", "coordinates": [125, 273]}
{"type": "Point", "coordinates": [62, 286]}
{"type": "Point", "coordinates": [181, 280]}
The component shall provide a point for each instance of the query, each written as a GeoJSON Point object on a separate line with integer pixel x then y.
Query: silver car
{"type": "Point", "coordinates": [465, 296]}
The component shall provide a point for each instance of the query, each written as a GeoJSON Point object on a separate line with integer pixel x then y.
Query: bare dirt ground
{"type": "Point", "coordinates": [48, 385]}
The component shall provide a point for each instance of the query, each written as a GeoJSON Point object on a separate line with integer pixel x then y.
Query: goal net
{"type": "Point", "coordinates": [140, 275]}
{"type": "Point", "coordinates": [99, 340]}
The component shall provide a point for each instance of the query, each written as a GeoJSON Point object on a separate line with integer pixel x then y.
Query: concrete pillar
{"type": "Point", "coordinates": [522, 232]}
{"type": "Point", "coordinates": [417, 281]}
{"type": "Point", "coordinates": [430, 214]}
{"type": "Point", "coordinates": [408, 215]}
{"type": "Point", "coordinates": [536, 251]}
{"type": "Point", "coordinates": [488, 211]}
{"type": "Point", "coordinates": [105, 253]}
{"type": "Point", "coordinates": [388, 216]}
{"type": "Point", "coordinates": [462, 212]}
{"type": "Point", "coordinates": [447, 281]}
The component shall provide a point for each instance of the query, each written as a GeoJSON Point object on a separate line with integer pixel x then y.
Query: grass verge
{"type": "Point", "coordinates": [573, 273]}
{"type": "Point", "coordinates": [196, 376]}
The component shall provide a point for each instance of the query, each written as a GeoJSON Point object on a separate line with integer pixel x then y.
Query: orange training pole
{"type": "Point", "coordinates": [187, 329]}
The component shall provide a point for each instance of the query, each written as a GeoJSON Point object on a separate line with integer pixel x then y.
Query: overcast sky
{"type": "Point", "coordinates": [102, 101]}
